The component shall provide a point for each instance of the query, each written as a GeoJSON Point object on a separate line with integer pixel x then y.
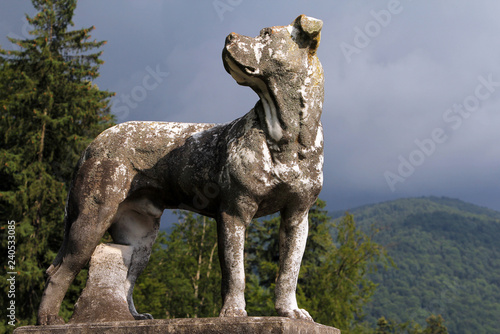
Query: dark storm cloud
{"type": "Point", "coordinates": [397, 73]}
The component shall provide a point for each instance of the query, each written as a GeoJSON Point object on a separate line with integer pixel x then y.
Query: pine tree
{"type": "Point", "coordinates": [333, 283]}
{"type": "Point", "coordinates": [435, 325]}
{"type": "Point", "coordinates": [335, 270]}
{"type": "Point", "coordinates": [184, 266]}
{"type": "Point", "coordinates": [50, 110]}
{"type": "Point", "coordinates": [383, 326]}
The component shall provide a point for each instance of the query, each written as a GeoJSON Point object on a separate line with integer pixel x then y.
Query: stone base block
{"type": "Point", "coordinates": [246, 325]}
{"type": "Point", "coordinates": [105, 295]}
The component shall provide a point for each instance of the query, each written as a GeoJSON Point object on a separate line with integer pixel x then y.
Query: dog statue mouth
{"type": "Point", "coordinates": [241, 73]}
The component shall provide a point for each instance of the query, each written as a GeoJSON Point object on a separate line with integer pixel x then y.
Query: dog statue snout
{"type": "Point", "coordinates": [230, 38]}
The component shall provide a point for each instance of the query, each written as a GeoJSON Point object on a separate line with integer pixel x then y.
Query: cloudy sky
{"type": "Point", "coordinates": [412, 103]}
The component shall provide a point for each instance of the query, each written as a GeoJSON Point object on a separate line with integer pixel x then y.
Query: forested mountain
{"type": "Point", "coordinates": [447, 254]}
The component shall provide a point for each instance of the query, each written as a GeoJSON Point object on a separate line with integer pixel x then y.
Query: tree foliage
{"type": "Point", "coordinates": [435, 325]}
{"type": "Point", "coordinates": [183, 277]}
{"type": "Point", "coordinates": [333, 283]}
{"type": "Point", "coordinates": [49, 111]}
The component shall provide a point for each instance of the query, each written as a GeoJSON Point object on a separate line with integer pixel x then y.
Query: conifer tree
{"type": "Point", "coordinates": [435, 325]}
{"type": "Point", "coordinates": [333, 282]}
{"type": "Point", "coordinates": [183, 276]}
{"type": "Point", "coordinates": [50, 110]}
{"type": "Point", "coordinates": [383, 326]}
{"type": "Point", "coordinates": [337, 285]}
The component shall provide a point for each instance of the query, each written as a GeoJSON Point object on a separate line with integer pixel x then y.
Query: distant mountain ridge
{"type": "Point", "coordinates": [420, 204]}
{"type": "Point", "coordinates": [448, 256]}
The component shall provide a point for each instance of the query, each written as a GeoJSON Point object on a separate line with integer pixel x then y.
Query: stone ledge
{"type": "Point", "coordinates": [247, 325]}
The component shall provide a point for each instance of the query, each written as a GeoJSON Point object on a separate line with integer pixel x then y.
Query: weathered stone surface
{"type": "Point", "coordinates": [247, 325]}
{"type": "Point", "coordinates": [269, 160]}
{"type": "Point", "coordinates": [105, 295]}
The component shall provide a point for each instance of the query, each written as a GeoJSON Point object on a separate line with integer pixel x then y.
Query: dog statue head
{"type": "Point", "coordinates": [281, 66]}
{"type": "Point", "coordinates": [282, 49]}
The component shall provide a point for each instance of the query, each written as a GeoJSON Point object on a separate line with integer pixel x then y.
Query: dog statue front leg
{"type": "Point", "coordinates": [231, 241]}
{"type": "Point", "coordinates": [293, 237]}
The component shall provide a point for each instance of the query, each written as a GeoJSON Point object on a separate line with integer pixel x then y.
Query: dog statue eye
{"type": "Point", "coordinates": [266, 32]}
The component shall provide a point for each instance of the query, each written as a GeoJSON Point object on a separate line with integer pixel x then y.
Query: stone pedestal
{"type": "Point", "coordinates": [105, 297]}
{"type": "Point", "coordinates": [244, 325]}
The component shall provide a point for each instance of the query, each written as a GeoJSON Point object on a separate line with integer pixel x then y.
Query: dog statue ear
{"type": "Point", "coordinates": [311, 28]}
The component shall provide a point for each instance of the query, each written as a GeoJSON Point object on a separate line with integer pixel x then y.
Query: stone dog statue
{"type": "Point", "coordinates": [269, 160]}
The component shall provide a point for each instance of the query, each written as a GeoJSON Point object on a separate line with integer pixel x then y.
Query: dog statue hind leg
{"type": "Point", "coordinates": [86, 222]}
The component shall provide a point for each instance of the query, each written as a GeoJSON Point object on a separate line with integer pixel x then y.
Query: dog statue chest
{"type": "Point", "coordinates": [262, 169]}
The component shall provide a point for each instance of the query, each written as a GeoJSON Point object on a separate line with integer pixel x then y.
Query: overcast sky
{"type": "Point", "coordinates": [412, 103]}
